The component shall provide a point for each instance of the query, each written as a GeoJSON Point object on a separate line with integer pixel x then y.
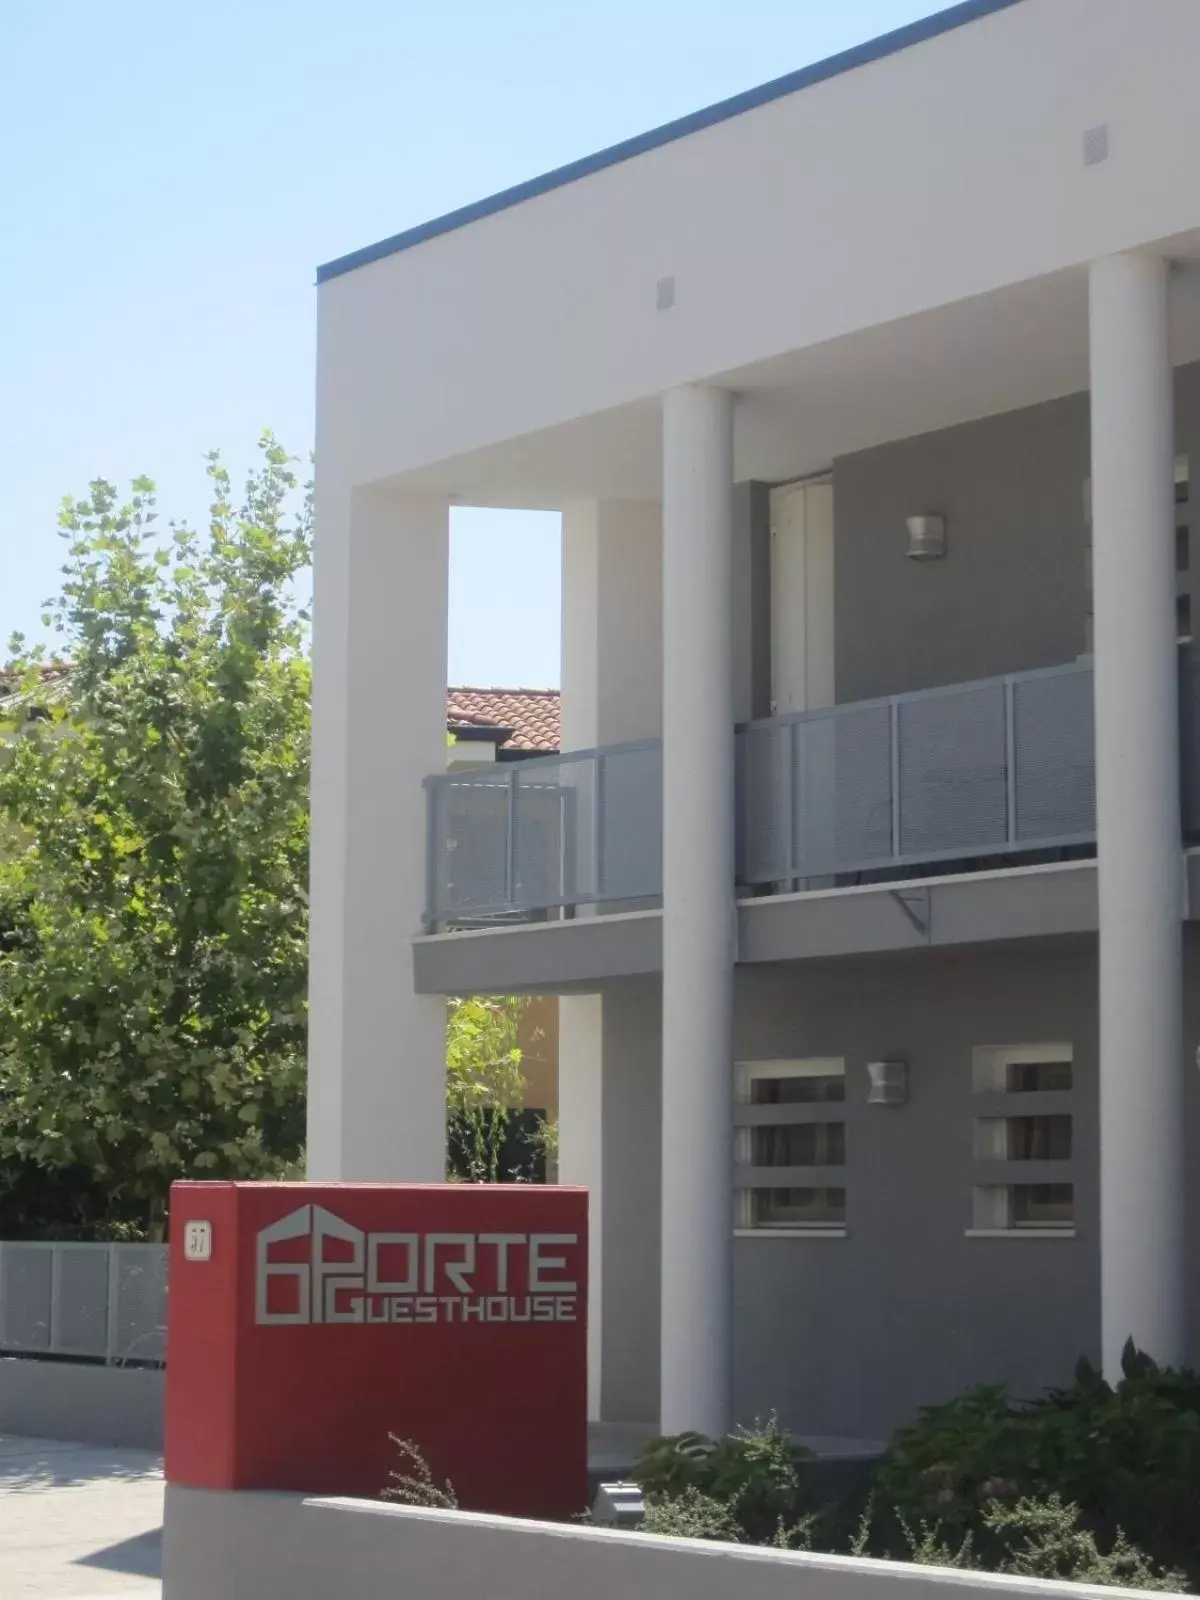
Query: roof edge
{"type": "Point", "coordinates": [859, 55]}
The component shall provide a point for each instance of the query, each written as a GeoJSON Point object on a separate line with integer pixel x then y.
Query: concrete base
{"type": "Point", "coordinates": [280, 1547]}
{"type": "Point", "coordinates": [71, 1400]}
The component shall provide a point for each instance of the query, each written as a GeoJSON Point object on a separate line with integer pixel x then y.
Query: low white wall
{"type": "Point", "coordinates": [118, 1406]}
{"type": "Point", "coordinates": [281, 1547]}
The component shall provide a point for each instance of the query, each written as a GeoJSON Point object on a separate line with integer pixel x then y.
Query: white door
{"type": "Point", "coordinates": [802, 597]}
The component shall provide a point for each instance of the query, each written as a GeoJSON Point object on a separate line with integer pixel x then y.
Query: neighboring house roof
{"type": "Point", "coordinates": [528, 719]}
{"type": "Point", "coordinates": [531, 717]}
{"type": "Point", "coordinates": [874, 50]}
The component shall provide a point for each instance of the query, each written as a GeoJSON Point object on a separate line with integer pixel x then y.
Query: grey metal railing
{"type": "Point", "coordinates": [1002, 766]}
{"type": "Point", "coordinates": [524, 837]}
{"type": "Point", "coordinates": [104, 1302]}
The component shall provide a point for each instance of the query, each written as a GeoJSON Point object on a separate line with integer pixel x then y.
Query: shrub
{"type": "Point", "coordinates": [411, 1482]}
{"type": "Point", "coordinates": [691, 1515]}
{"type": "Point", "coordinates": [1128, 1457]}
{"type": "Point", "coordinates": [1044, 1539]}
{"type": "Point", "coordinates": [754, 1472]}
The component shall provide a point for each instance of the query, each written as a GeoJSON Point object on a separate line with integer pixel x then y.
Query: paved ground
{"type": "Point", "coordinates": [77, 1523]}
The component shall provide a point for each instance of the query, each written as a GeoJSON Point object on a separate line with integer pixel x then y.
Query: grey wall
{"type": "Point", "coordinates": [118, 1406]}
{"type": "Point", "coordinates": [751, 601]}
{"type": "Point", "coordinates": [1012, 592]}
{"type": "Point", "coordinates": [632, 1139]}
{"type": "Point", "coordinates": [274, 1547]}
{"type": "Point", "coordinates": [849, 1336]}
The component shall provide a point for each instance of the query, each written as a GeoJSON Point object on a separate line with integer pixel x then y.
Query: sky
{"type": "Point", "coordinates": [172, 172]}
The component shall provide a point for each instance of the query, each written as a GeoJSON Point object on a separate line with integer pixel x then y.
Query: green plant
{"type": "Point", "coordinates": [1045, 1539]}
{"type": "Point", "coordinates": [411, 1483]}
{"type": "Point", "coordinates": [485, 1084]}
{"type": "Point", "coordinates": [691, 1515]}
{"type": "Point", "coordinates": [755, 1472]}
{"type": "Point", "coordinates": [1127, 1456]}
{"type": "Point", "coordinates": [928, 1547]}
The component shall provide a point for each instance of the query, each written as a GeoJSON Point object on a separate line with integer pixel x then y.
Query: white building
{"type": "Point", "coordinates": [937, 298]}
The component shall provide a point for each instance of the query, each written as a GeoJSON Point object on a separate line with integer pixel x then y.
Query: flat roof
{"type": "Point", "coordinates": [860, 55]}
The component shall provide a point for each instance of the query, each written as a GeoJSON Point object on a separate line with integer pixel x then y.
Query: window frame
{"type": "Point", "coordinates": [792, 1114]}
{"type": "Point", "coordinates": [993, 1201]}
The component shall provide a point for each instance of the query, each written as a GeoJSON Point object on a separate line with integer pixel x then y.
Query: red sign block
{"type": "Point", "coordinates": [307, 1322]}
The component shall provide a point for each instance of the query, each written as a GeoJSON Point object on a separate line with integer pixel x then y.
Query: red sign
{"type": "Point", "coordinates": [307, 1322]}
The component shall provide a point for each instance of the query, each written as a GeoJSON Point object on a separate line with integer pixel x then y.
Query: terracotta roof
{"type": "Point", "coordinates": [532, 714]}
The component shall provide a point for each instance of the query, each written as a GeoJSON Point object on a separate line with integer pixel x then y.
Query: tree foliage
{"type": "Point", "coordinates": [485, 1084]}
{"type": "Point", "coordinates": [153, 848]}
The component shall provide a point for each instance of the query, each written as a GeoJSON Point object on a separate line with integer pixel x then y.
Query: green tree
{"type": "Point", "coordinates": [153, 848]}
{"type": "Point", "coordinates": [485, 1084]}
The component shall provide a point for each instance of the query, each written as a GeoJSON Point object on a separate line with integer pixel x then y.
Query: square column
{"type": "Point", "coordinates": [377, 1050]}
{"type": "Point", "coordinates": [699, 928]}
{"type": "Point", "coordinates": [1137, 802]}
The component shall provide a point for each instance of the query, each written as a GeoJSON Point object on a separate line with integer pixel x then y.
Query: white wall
{"type": "Point", "coordinates": [938, 173]}
{"type": "Point", "coordinates": [277, 1547]}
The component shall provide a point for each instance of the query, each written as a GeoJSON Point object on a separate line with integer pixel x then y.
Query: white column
{"type": "Point", "coordinates": [581, 1151]}
{"type": "Point", "coordinates": [1137, 796]}
{"type": "Point", "coordinates": [698, 909]}
{"type": "Point", "coordinates": [377, 1050]}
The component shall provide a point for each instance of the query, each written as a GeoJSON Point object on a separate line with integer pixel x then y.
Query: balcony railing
{"type": "Point", "coordinates": [528, 837]}
{"type": "Point", "coordinates": [1003, 768]}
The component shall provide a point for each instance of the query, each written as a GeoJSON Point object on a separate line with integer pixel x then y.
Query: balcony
{"type": "Point", "coordinates": [991, 773]}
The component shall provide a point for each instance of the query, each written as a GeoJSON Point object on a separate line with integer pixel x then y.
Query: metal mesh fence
{"type": "Point", "coordinates": [104, 1302]}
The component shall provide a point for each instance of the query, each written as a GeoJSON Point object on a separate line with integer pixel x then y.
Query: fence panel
{"type": "Point", "coordinates": [103, 1302]}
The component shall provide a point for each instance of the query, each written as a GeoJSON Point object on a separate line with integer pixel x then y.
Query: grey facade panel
{"type": "Point", "coordinates": [631, 1198]}
{"type": "Point", "coordinates": [1011, 591]}
{"type": "Point", "coordinates": [850, 1335]}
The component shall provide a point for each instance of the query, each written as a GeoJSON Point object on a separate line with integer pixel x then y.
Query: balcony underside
{"type": "Point", "coordinates": [976, 909]}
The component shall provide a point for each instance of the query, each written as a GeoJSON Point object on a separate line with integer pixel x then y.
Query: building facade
{"type": "Point", "coordinates": [871, 403]}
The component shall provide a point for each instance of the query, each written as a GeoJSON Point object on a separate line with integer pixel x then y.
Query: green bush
{"type": "Point", "coordinates": [1045, 1539]}
{"type": "Point", "coordinates": [754, 1472]}
{"type": "Point", "coordinates": [691, 1515]}
{"type": "Point", "coordinates": [1128, 1457]}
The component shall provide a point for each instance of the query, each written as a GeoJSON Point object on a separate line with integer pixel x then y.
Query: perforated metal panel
{"type": "Point", "coordinates": [139, 1324]}
{"type": "Point", "coordinates": [528, 837]}
{"type": "Point", "coordinates": [952, 765]}
{"type": "Point", "coordinates": [1054, 745]}
{"type": "Point", "coordinates": [81, 1323]}
{"type": "Point", "coordinates": [630, 783]}
{"type": "Point", "coordinates": [26, 1281]}
{"type": "Point", "coordinates": [98, 1301]}
{"type": "Point", "coordinates": [979, 769]}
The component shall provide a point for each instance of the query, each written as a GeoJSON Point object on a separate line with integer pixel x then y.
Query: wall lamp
{"type": "Point", "coordinates": [926, 538]}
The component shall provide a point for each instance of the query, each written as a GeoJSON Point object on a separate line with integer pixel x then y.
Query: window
{"type": "Point", "coordinates": [816, 1209]}
{"type": "Point", "coordinates": [1023, 1138]}
{"type": "Point", "coordinates": [778, 1083]}
{"type": "Point", "coordinates": [1022, 1069]}
{"type": "Point", "coordinates": [1023, 1124]}
{"type": "Point", "coordinates": [800, 1144]}
{"type": "Point", "coordinates": [785, 1119]}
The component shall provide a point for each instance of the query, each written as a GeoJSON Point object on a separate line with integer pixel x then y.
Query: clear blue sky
{"type": "Point", "coordinates": [173, 172]}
